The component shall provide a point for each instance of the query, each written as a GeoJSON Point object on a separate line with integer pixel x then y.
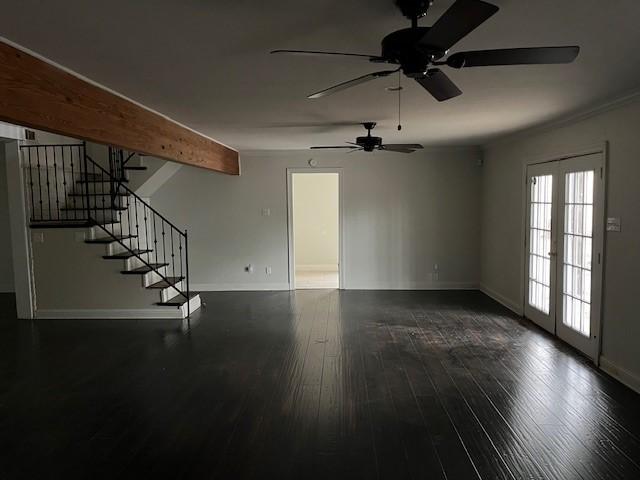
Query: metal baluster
{"type": "Point", "coordinates": [95, 192]}
{"type": "Point", "coordinates": [46, 166]}
{"type": "Point", "coordinates": [55, 179]}
{"type": "Point", "coordinates": [64, 183]}
{"type": "Point", "coordinates": [137, 224]}
{"type": "Point", "coordinates": [86, 201]}
{"type": "Point", "coordinates": [155, 237]}
{"type": "Point", "coordinates": [104, 206]}
{"type": "Point", "coordinates": [173, 261]}
{"type": "Point", "coordinates": [186, 260]}
{"type": "Point", "coordinates": [39, 182]}
{"type": "Point", "coordinates": [118, 203]}
{"type": "Point", "coordinates": [33, 207]}
{"type": "Point", "coordinates": [146, 228]}
{"type": "Point", "coordinates": [164, 248]}
{"type": "Point", "coordinates": [129, 219]}
{"type": "Point", "coordinates": [73, 182]}
{"type": "Point", "coordinates": [180, 251]}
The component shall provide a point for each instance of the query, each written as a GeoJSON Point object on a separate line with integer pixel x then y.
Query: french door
{"type": "Point", "coordinates": [564, 243]}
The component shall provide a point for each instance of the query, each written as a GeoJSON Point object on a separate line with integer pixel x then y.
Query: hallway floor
{"type": "Point", "coordinates": [310, 384]}
{"type": "Point", "coordinates": [309, 280]}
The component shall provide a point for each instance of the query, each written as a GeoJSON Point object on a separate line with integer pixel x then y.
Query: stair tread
{"type": "Point", "coordinates": [102, 180]}
{"type": "Point", "coordinates": [104, 222]}
{"type": "Point", "coordinates": [110, 239]}
{"type": "Point", "coordinates": [166, 283]}
{"type": "Point", "coordinates": [144, 269]}
{"type": "Point", "coordinates": [135, 167]}
{"type": "Point", "coordinates": [61, 224]}
{"type": "Point", "coordinates": [99, 194]}
{"type": "Point", "coordinates": [79, 209]}
{"type": "Point", "coordinates": [178, 301]}
{"type": "Point", "coordinates": [125, 255]}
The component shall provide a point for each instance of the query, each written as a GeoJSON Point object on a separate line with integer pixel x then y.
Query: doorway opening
{"type": "Point", "coordinates": [314, 229]}
{"type": "Point", "coordinates": [564, 249]}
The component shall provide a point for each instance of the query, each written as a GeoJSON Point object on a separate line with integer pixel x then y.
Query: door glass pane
{"type": "Point", "coordinates": [540, 242]}
{"type": "Point", "coordinates": [578, 251]}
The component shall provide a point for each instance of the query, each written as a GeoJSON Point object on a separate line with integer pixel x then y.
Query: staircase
{"type": "Point", "coordinates": [66, 188]}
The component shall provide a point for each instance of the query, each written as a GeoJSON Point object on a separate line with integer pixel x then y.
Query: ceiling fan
{"type": "Point", "coordinates": [370, 143]}
{"type": "Point", "coordinates": [420, 50]}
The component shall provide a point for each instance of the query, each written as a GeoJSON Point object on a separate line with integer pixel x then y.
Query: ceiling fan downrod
{"type": "Point", "coordinates": [414, 9]}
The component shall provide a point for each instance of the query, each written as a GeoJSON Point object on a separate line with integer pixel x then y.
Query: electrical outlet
{"type": "Point", "coordinates": [266, 212]}
{"type": "Point", "coordinates": [37, 237]}
{"type": "Point", "coordinates": [248, 268]}
{"type": "Point", "coordinates": [268, 270]}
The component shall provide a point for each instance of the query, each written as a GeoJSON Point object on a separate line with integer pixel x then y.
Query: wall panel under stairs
{"type": "Point", "coordinates": [73, 281]}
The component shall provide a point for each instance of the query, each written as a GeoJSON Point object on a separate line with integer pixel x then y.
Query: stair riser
{"type": "Point", "coordinates": [134, 262]}
{"type": "Point", "coordinates": [195, 303]}
{"type": "Point", "coordinates": [98, 232]}
{"type": "Point", "coordinates": [104, 216]}
{"type": "Point", "coordinates": [97, 202]}
{"type": "Point", "coordinates": [152, 277]}
{"type": "Point", "coordinates": [167, 294]}
{"type": "Point", "coordinates": [115, 248]}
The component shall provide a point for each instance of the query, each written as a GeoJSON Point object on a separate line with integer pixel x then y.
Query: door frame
{"type": "Point", "coordinates": [290, 236]}
{"type": "Point", "coordinates": [599, 148]}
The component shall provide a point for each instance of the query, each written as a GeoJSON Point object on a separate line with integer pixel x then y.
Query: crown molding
{"type": "Point", "coordinates": [579, 116]}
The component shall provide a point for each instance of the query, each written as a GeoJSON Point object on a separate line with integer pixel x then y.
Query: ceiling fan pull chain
{"type": "Point", "coordinates": [399, 99]}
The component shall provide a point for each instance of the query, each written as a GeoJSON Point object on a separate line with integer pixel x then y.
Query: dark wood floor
{"type": "Point", "coordinates": [313, 384]}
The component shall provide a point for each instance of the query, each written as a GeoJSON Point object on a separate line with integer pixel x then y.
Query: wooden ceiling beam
{"type": "Point", "coordinates": [37, 94]}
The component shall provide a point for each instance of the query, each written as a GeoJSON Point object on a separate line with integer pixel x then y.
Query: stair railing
{"type": "Point", "coordinates": [66, 187]}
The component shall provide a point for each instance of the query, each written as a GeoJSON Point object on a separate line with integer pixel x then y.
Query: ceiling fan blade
{"type": "Point", "coordinates": [438, 84]}
{"type": "Point", "coordinates": [373, 58]}
{"type": "Point", "coordinates": [331, 147]}
{"type": "Point", "coordinates": [352, 83]}
{"type": "Point", "coordinates": [460, 20]}
{"type": "Point", "coordinates": [412, 146]}
{"type": "Point", "coordinates": [514, 56]}
{"type": "Point", "coordinates": [396, 148]}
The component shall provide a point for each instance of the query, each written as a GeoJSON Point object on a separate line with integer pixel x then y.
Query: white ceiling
{"type": "Point", "coordinates": [206, 64]}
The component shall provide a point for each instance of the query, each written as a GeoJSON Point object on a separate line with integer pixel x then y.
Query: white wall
{"type": "Point", "coordinates": [315, 220]}
{"type": "Point", "coordinates": [6, 260]}
{"type": "Point", "coordinates": [502, 269]}
{"type": "Point", "coordinates": [403, 214]}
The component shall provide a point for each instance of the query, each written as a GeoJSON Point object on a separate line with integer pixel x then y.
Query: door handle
{"type": "Point", "coordinates": [553, 254]}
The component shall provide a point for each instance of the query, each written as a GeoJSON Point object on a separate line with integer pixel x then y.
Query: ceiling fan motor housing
{"type": "Point", "coordinates": [402, 47]}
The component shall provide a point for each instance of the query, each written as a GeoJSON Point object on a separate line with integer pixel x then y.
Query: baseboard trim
{"type": "Point", "coordinates": [414, 286]}
{"type": "Point", "coordinates": [6, 288]}
{"type": "Point", "coordinates": [501, 299]}
{"type": "Point", "coordinates": [255, 287]}
{"type": "Point", "coordinates": [317, 268]}
{"type": "Point", "coordinates": [623, 375]}
{"type": "Point", "coordinates": [238, 287]}
{"type": "Point", "coordinates": [108, 314]}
